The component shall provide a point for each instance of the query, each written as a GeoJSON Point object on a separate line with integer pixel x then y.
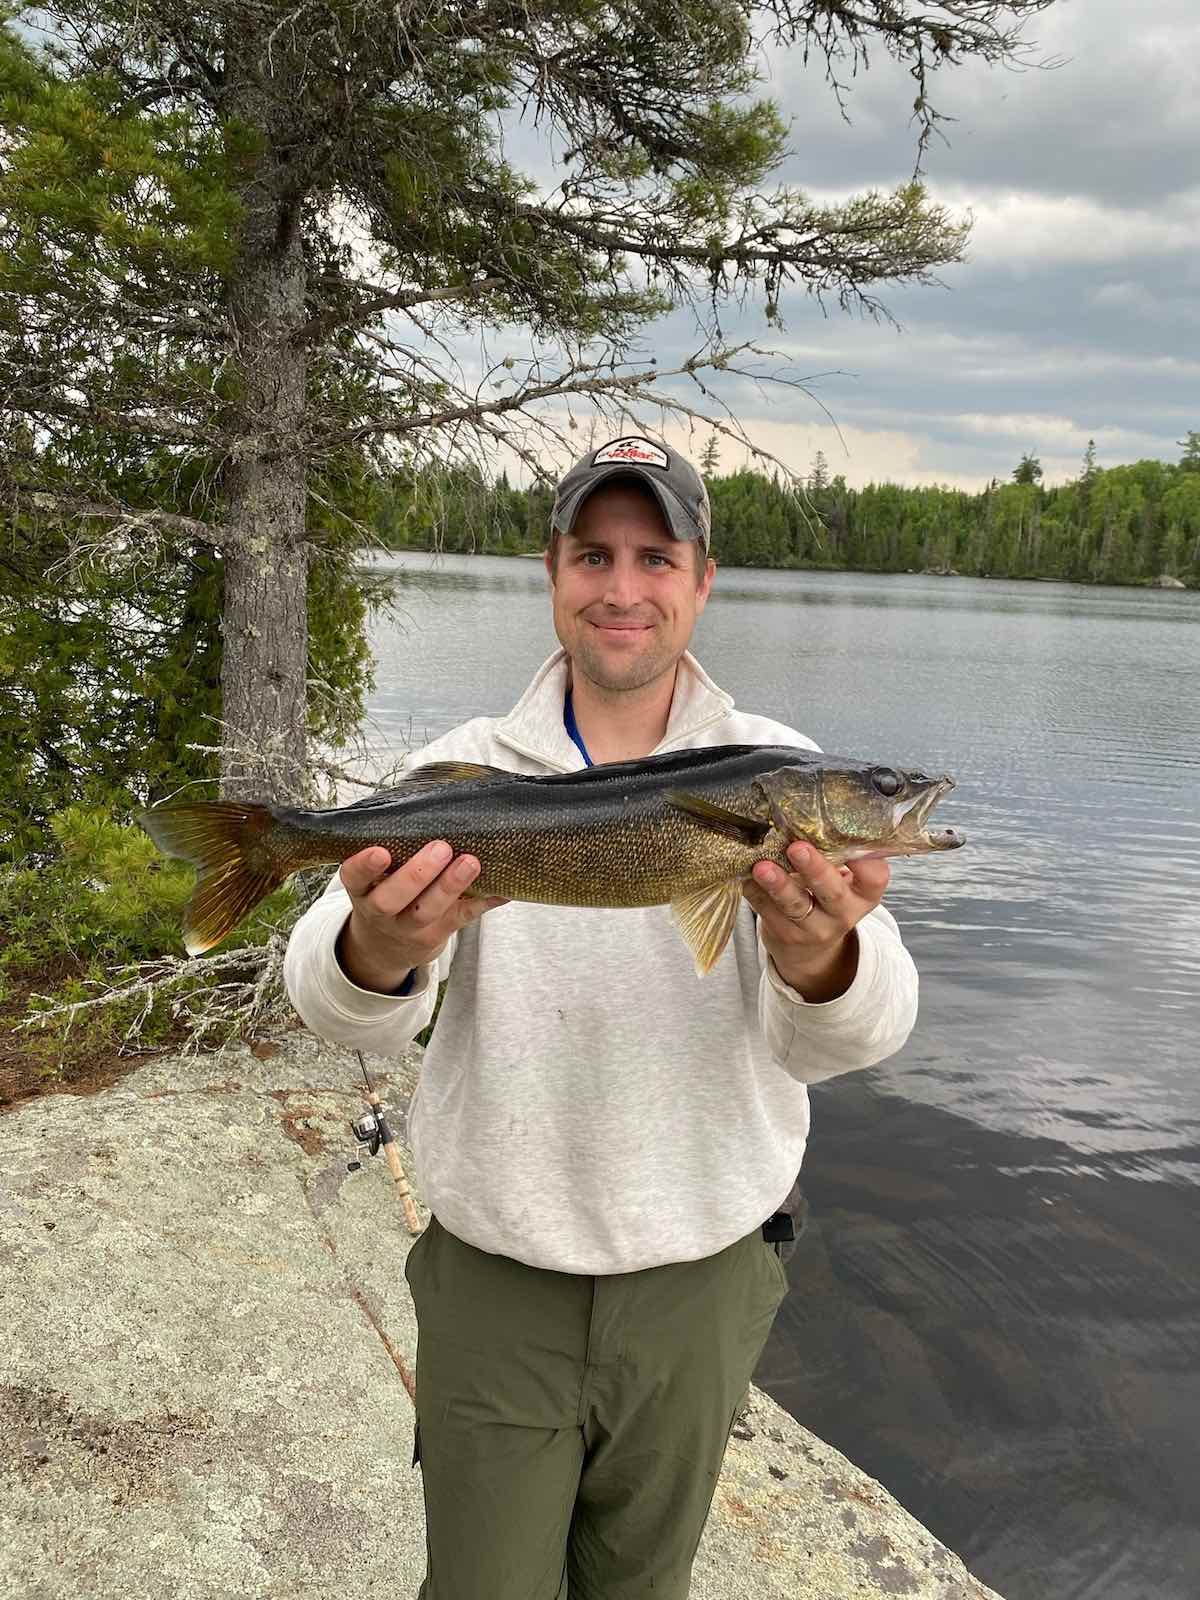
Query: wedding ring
{"type": "Point", "coordinates": [812, 906]}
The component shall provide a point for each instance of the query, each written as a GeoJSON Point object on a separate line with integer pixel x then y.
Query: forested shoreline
{"type": "Point", "coordinates": [1112, 525]}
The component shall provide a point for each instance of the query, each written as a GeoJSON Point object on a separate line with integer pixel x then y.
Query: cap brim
{"type": "Point", "coordinates": [681, 523]}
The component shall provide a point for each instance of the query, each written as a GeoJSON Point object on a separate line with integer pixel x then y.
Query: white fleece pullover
{"type": "Point", "coordinates": [587, 1103]}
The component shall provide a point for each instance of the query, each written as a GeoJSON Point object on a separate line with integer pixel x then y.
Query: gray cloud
{"type": "Point", "coordinates": [1077, 313]}
{"type": "Point", "coordinates": [1117, 120]}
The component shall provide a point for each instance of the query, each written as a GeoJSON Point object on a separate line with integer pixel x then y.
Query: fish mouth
{"type": "Point", "coordinates": [910, 818]}
{"type": "Point", "coordinates": [945, 839]}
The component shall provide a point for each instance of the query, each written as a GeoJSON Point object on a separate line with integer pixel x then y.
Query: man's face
{"type": "Point", "coordinates": [625, 593]}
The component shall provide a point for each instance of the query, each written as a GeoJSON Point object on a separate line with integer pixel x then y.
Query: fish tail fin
{"type": "Point", "coordinates": [228, 842]}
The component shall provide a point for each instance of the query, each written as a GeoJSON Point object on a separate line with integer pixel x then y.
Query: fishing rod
{"type": "Point", "coordinates": [374, 1132]}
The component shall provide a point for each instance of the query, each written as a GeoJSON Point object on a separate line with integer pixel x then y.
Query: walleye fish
{"type": "Point", "coordinates": [682, 829]}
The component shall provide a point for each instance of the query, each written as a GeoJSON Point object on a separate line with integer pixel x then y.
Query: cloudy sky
{"type": "Point", "coordinates": [1077, 314]}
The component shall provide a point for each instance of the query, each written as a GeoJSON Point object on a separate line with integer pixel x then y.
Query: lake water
{"type": "Point", "coordinates": [996, 1307]}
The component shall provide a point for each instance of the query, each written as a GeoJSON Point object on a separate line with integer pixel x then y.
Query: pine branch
{"type": "Point", "coordinates": [377, 300]}
{"type": "Point", "coordinates": [126, 519]}
{"type": "Point", "coordinates": [163, 427]}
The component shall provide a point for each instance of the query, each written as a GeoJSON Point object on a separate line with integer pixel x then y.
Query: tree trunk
{"type": "Point", "coordinates": [264, 622]}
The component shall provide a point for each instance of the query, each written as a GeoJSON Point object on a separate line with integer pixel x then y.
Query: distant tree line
{"type": "Point", "coordinates": [1122, 524]}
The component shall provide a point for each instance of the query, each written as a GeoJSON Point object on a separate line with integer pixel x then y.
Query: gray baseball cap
{"type": "Point", "coordinates": [677, 486]}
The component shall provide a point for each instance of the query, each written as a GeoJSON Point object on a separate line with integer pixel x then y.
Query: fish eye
{"type": "Point", "coordinates": [886, 781]}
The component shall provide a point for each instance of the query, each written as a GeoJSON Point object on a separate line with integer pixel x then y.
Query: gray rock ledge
{"type": "Point", "coordinates": [207, 1342]}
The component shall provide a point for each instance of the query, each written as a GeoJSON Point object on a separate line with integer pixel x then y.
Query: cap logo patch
{"type": "Point", "coordinates": [640, 451]}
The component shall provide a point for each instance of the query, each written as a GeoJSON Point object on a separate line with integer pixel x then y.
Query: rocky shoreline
{"type": "Point", "coordinates": [205, 1386]}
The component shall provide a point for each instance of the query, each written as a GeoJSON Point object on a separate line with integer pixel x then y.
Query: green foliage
{"type": "Point", "coordinates": [108, 670]}
{"type": "Point", "coordinates": [150, 188]}
{"type": "Point", "coordinates": [1125, 524]}
{"type": "Point", "coordinates": [102, 899]}
{"type": "Point", "coordinates": [105, 896]}
{"type": "Point", "coordinates": [1028, 470]}
{"type": "Point", "coordinates": [457, 511]}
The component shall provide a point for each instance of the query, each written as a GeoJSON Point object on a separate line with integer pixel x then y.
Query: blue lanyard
{"type": "Point", "coordinates": [573, 731]}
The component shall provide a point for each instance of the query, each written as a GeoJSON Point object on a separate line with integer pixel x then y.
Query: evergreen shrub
{"type": "Point", "coordinates": [102, 899]}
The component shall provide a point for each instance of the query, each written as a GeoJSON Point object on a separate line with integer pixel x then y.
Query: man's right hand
{"type": "Point", "coordinates": [404, 919]}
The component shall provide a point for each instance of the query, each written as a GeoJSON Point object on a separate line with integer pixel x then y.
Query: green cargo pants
{"type": "Point", "coordinates": [571, 1429]}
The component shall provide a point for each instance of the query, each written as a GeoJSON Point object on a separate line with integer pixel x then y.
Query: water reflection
{"type": "Point", "coordinates": [1022, 1363]}
{"type": "Point", "coordinates": [461, 575]}
{"type": "Point", "coordinates": [918, 592]}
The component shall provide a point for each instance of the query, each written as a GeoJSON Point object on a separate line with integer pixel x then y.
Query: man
{"type": "Point", "coordinates": [599, 1133]}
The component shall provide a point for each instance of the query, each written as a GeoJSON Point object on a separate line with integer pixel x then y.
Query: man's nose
{"type": "Point", "coordinates": [621, 591]}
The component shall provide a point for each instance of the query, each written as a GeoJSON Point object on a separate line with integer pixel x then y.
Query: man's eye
{"type": "Point", "coordinates": [591, 557]}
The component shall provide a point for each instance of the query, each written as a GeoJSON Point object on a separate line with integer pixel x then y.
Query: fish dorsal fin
{"type": "Point", "coordinates": [379, 797]}
{"type": "Point", "coordinates": [439, 772]}
{"type": "Point", "coordinates": [749, 830]}
{"type": "Point", "coordinates": [706, 919]}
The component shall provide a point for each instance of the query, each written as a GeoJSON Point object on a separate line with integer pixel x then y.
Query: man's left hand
{"type": "Point", "coordinates": [808, 917]}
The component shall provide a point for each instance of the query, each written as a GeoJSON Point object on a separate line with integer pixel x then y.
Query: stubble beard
{"type": "Point", "coordinates": [617, 678]}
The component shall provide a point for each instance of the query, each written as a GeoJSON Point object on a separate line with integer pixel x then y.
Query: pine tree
{"type": "Point", "coordinates": [711, 457]}
{"type": "Point", "coordinates": [1028, 470]}
{"type": "Point", "coordinates": [1189, 461]}
{"type": "Point", "coordinates": [1087, 481]}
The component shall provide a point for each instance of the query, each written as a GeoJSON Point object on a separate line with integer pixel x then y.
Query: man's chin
{"type": "Point", "coordinates": [621, 676]}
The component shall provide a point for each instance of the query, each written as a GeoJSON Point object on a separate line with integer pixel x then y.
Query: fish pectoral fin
{"type": "Point", "coordinates": [438, 772]}
{"type": "Point", "coordinates": [749, 830]}
{"type": "Point", "coordinates": [706, 918]}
